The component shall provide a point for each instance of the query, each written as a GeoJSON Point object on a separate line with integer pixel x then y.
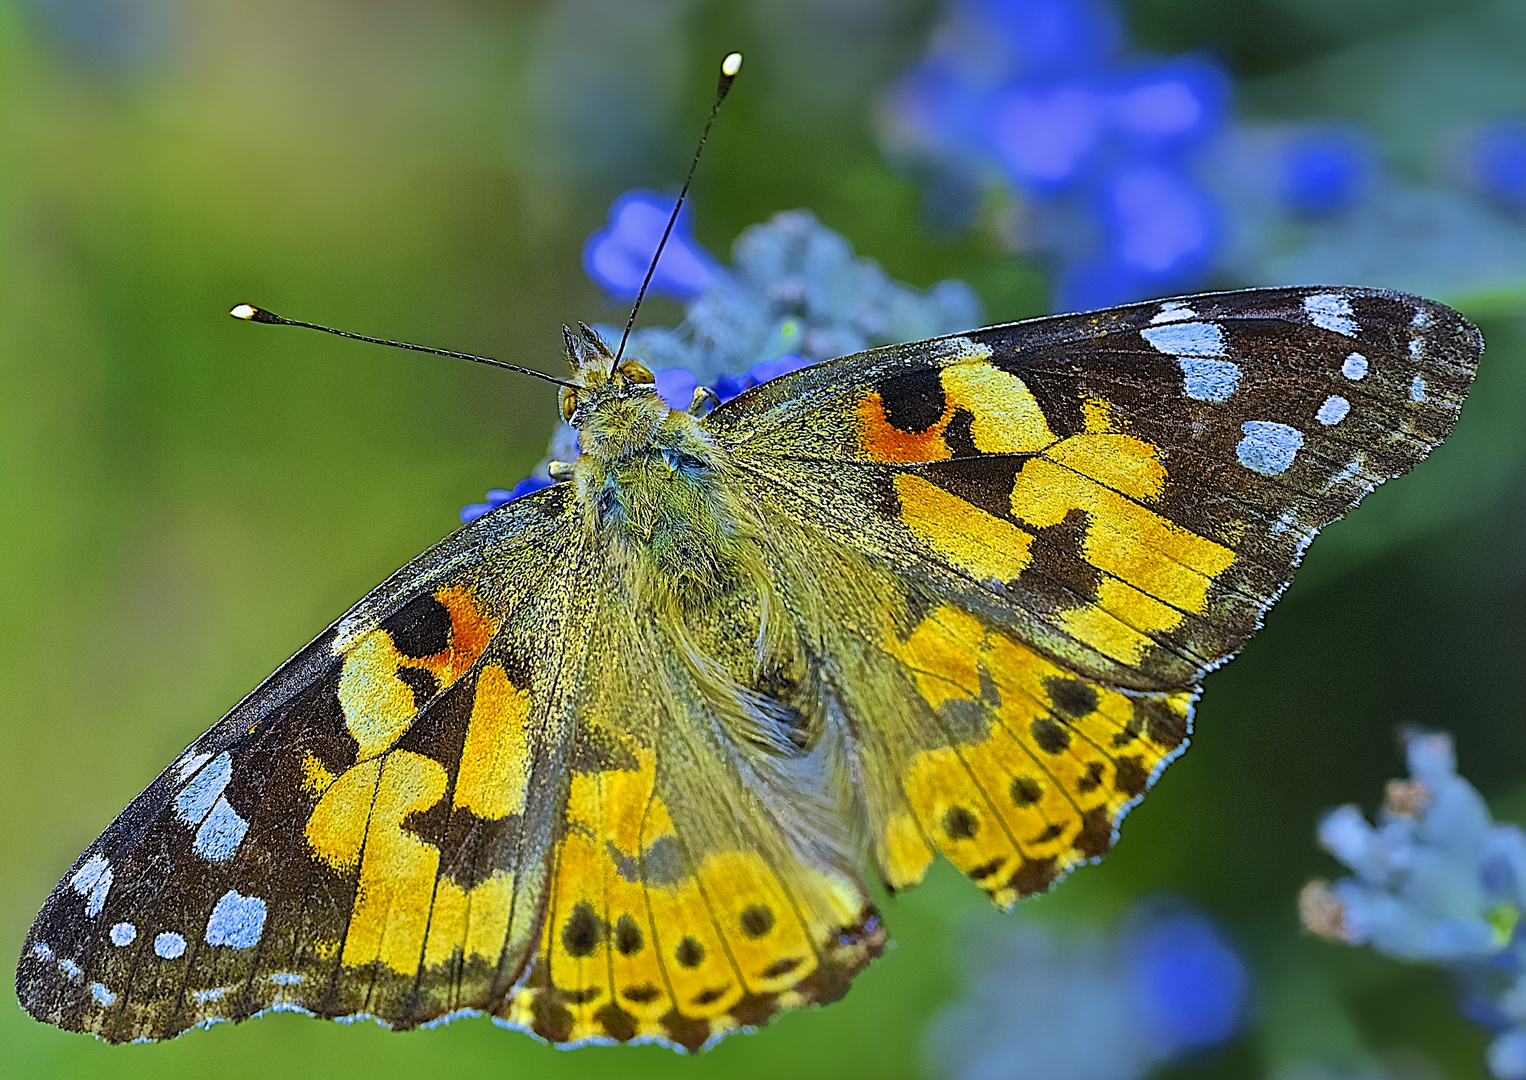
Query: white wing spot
{"type": "Point", "coordinates": [1208, 380]}
{"type": "Point", "coordinates": [1186, 339]}
{"type": "Point", "coordinates": [1353, 467]}
{"type": "Point", "coordinates": [1417, 389]}
{"type": "Point", "coordinates": [101, 994]}
{"type": "Point", "coordinates": [1333, 411]}
{"type": "Point", "coordinates": [1268, 447]}
{"type": "Point", "coordinates": [196, 799]}
{"type": "Point", "coordinates": [169, 946]}
{"type": "Point", "coordinates": [1174, 311]}
{"type": "Point", "coordinates": [1421, 320]}
{"type": "Point", "coordinates": [1416, 348]}
{"type": "Point", "coordinates": [204, 996]}
{"type": "Point", "coordinates": [190, 764]}
{"type": "Point", "coordinates": [93, 882]}
{"type": "Point", "coordinates": [70, 968]}
{"type": "Point", "coordinates": [237, 921]}
{"type": "Point", "coordinates": [42, 950]}
{"type": "Point", "coordinates": [222, 832]}
{"type": "Point", "coordinates": [286, 978]}
{"type": "Point", "coordinates": [1330, 311]}
{"type": "Point", "coordinates": [123, 934]}
{"type": "Point", "coordinates": [1354, 367]}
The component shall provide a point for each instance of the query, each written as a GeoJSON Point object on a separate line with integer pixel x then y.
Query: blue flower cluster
{"type": "Point", "coordinates": [1037, 97]}
{"type": "Point", "coordinates": [795, 294]}
{"type": "Point", "coordinates": [1437, 880]}
{"type": "Point", "coordinates": [1129, 176]}
{"type": "Point", "coordinates": [1092, 1006]}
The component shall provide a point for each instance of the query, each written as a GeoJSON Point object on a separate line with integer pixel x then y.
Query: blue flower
{"type": "Point", "coordinates": [1086, 1005]}
{"type": "Point", "coordinates": [618, 255]}
{"type": "Point", "coordinates": [498, 496]}
{"type": "Point", "coordinates": [676, 386]}
{"type": "Point", "coordinates": [1437, 880]}
{"type": "Point", "coordinates": [1169, 106]}
{"type": "Point", "coordinates": [1190, 986]}
{"type": "Point", "coordinates": [1161, 230]}
{"type": "Point", "coordinates": [1324, 169]}
{"type": "Point", "coordinates": [1497, 161]}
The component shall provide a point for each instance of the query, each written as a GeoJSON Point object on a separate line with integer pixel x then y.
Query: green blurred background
{"type": "Point", "coordinates": [185, 500]}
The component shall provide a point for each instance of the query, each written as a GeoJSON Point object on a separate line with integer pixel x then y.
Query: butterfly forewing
{"type": "Point", "coordinates": [1073, 519]}
{"type": "Point", "coordinates": [327, 847]}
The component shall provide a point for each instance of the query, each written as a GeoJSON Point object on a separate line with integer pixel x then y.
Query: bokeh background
{"type": "Point", "coordinates": [186, 500]}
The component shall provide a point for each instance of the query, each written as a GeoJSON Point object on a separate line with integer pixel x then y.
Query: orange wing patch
{"type": "Point", "coordinates": [990, 409]}
{"type": "Point", "coordinates": [646, 938]}
{"type": "Point", "coordinates": [1038, 766]}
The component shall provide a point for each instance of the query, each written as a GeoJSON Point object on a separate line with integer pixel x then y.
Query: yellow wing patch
{"type": "Point", "coordinates": [405, 912]}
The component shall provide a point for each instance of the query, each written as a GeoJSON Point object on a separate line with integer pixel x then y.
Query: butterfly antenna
{"type": "Point", "coordinates": [729, 68]}
{"type": "Point", "coordinates": [254, 314]}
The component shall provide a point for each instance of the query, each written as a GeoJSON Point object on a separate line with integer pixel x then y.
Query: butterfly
{"type": "Point", "coordinates": [614, 761]}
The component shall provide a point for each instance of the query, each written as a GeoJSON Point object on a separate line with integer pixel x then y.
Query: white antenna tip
{"type": "Point", "coordinates": [243, 311]}
{"type": "Point", "coordinates": [732, 64]}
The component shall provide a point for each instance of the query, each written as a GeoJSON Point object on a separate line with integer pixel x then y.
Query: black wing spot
{"type": "Point", "coordinates": [689, 953]}
{"type": "Point", "coordinates": [1026, 791]}
{"type": "Point", "coordinates": [1072, 697]}
{"type": "Point", "coordinates": [959, 436]}
{"type": "Point", "coordinates": [1165, 726]}
{"type": "Point", "coordinates": [1059, 577]}
{"type": "Point", "coordinates": [583, 932]}
{"type": "Point", "coordinates": [1050, 736]}
{"type": "Point", "coordinates": [1132, 777]}
{"type": "Point", "coordinates": [960, 824]}
{"type": "Point", "coordinates": [1092, 780]}
{"type": "Point", "coordinates": [985, 870]}
{"type": "Point", "coordinates": [782, 967]}
{"type": "Point", "coordinates": [757, 920]}
{"type": "Point", "coordinates": [628, 937]}
{"type": "Point", "coordinates": [913, 402]}
{"type": "Point", "coordinates": [421, 627]}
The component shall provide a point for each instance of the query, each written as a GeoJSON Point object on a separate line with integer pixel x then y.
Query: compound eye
{"type": "Point", "coordinates": [636, 371]}
{"type": "Point", "coordinates": [569, 402]}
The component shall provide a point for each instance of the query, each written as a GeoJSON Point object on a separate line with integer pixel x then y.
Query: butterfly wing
{"type": "Point", "coordinates": [1070, 521]}
{"type": "Point", "coordinates": [369, 832]}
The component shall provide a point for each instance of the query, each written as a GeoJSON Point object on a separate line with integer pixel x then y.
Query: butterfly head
{"type": "Point", "coordinates": [601, 384]}
{"type": "Point", "coordinates": [615, 405]}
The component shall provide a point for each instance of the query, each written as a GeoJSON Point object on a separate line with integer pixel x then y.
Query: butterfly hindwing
{"type": "Point", "coordinates": [699, 886]}
{"type": "Point", "coordinates": [1071, 520]}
